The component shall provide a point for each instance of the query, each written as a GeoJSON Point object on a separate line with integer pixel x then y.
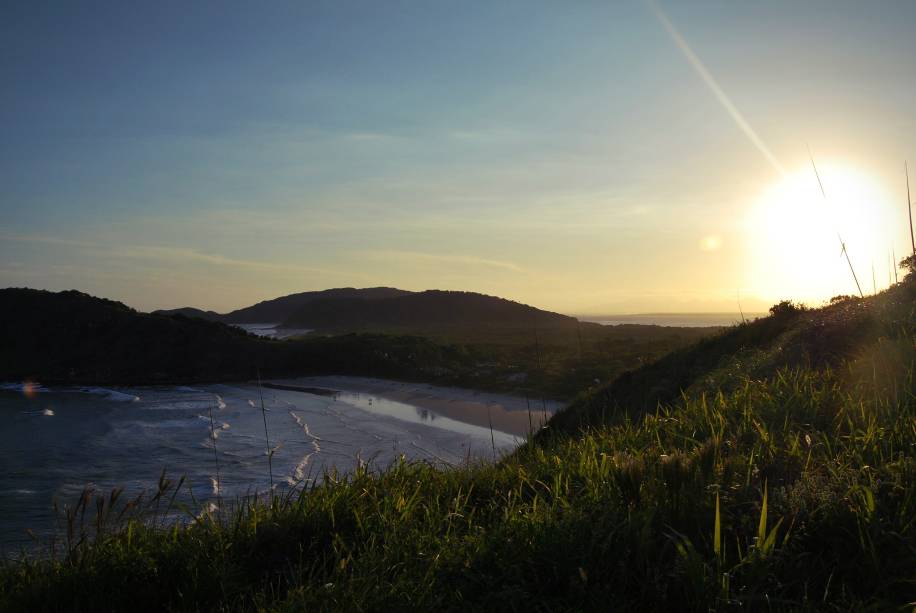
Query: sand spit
{"type": "Point", "coordinates": [506, 413]}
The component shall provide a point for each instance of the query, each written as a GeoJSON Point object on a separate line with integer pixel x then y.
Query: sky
{"type": "Point", "coordinates": [587, 157]}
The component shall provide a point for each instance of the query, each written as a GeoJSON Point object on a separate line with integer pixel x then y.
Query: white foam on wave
{"type": "Point", "coordinates": [253, 405]}
{"type": "Point", "coordinates": [207, 510]}
{"type": "Point", "coordinates": [219, 402]}
{"type": "Point", "coordinates": [42, 412]}
{"type": "Point", "coordinates": [110, 394]}
{"type": "Point", "coordinates": [29, 387]}
{"type": "Point", "coordinates": [218, 426]}
{"type": "Point", "coordinates": [299, 473]}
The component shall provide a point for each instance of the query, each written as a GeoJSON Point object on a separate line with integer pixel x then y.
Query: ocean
{"type": "Point", "coordinates": [682, 320]}
{"type": "Point", "coordinates": [54, 443]}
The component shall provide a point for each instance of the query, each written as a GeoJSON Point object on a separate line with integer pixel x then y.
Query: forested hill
{"type": "Point", "coordinates": [280, 309]}
{"type": "Point", "coordinates": [73, 338]}
{"type": "Point", "coordinates": [191, 312]}
{"type": "Point", "coordinates": [431, 308]}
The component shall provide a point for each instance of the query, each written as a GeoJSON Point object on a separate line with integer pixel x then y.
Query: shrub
{"type": "Point", "coordinates": [786, 308]}
{"type": "Point", "coordinates": [909, 264]}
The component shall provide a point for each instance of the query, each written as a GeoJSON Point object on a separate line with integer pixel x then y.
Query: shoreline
{"type": "Point", "coordinates": [505, 413]}
{"type": "Point", "coordinates": [515, 415]}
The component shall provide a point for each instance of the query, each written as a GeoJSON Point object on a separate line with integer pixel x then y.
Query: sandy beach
{"type": "Point", "coordinates": [504, 412]}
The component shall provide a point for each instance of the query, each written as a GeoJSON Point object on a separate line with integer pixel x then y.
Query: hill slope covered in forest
{"type": "Point", "coordinates": [278, 310]}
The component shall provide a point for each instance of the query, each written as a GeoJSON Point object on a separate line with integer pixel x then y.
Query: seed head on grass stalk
{"type": "Point", "coordinates": [894, 263]}
{"type": "Point", "coordinates": [270, 453]}
{"type": "Point", "coordinates": [843, 250]}
{"type": "Point", "coordinates": [909, 205]}
{"type": "Point", "coordinates": [492, 439]}
{"type": "Point", "coordinates": [219, 502]}
{"type": "Point", "coordinates": [717, 533]}
{"type": "Point", "coordinates": [530, 424]}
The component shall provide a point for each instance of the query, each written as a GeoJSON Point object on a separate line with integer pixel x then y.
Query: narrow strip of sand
{"type": "Point", "coordinates": [512, 414]}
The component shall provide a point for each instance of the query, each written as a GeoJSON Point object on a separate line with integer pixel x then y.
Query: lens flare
{"type": "Point", "coordinates": [29, 389]}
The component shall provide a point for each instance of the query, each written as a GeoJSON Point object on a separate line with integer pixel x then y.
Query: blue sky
{"type": "Point", "coordinates": [566, 155]}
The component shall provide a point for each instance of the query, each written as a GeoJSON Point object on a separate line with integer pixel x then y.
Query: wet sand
{"type": "Point", "coordinates": [511, 414]}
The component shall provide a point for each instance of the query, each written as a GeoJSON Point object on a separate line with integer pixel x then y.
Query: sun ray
{"type": "Point", "coordinates": [716, 89]}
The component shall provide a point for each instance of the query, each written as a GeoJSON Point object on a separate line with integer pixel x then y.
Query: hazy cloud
{"type": "Point", "coordinates": [460, 260]}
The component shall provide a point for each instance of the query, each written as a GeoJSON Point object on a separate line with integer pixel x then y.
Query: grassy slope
{"type": "Point", "coordinates": [790, 337]}
{"type": "Point", "coordinates": [800, 428]}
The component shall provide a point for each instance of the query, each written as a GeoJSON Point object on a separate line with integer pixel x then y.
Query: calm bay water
{"type": "Point", "coordinates": [55, 443]}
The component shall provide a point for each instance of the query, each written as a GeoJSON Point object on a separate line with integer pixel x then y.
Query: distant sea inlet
{"type": "Point", "coordinates": [682, 320]}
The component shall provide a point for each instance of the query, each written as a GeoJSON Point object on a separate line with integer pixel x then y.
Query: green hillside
{"type": "Point", "coordinates": [770, 467]}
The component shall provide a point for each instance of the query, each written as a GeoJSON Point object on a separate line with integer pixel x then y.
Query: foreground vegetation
{"type": "Point", "coordinates": [775, 471]}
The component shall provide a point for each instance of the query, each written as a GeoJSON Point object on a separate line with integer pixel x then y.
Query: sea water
{"type": "Point", "coordinates": [680, 320]}
{"type": "Point", "coordinates": [54, 443]}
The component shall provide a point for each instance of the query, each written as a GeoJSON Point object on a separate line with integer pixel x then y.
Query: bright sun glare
{"type": "Point", "coordinates": [795, 247]}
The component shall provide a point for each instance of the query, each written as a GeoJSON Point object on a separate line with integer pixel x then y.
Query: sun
{"type": "Point", "coordinates": [796, 235]}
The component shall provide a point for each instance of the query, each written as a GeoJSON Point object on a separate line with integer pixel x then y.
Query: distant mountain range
{"type": "Point", "coordinates": [384, 308]}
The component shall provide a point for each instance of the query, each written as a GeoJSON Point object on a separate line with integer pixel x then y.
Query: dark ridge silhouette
{"type": "Point", "coordinates": [191, 312]}
{"type": "Point", "coordinates": [281, 309]}
{"type": "Point", "coordinates": [73, 338]}
{"type": "Point", "coordinates": [421, 310]}
{"type": "Point", "coordinates": [278, 310]}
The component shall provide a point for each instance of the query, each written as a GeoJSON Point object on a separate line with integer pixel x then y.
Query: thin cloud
{"type": "Point", "coordinates": [184, 254]}
{"type": "Point", "coordinates": [47, 240]}
{"type": "Point", "coordinates": [173, 255]}
{"type": "Point", "coordinates": [462, 260]}
{"type": "Point", "coordinates": [368, 136]}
